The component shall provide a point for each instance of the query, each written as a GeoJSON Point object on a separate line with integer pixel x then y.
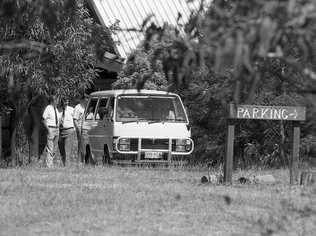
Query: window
{"type": "Point", "coordinates": [91, 109]}
{"type": "Point", "coordinates": [149, 108]}
{"type": "Point", "coordinates": [111, 108]}
{"type": "Point", "coordinates": [102, 109]}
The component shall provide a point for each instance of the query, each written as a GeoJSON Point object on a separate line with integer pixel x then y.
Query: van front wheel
{"type": "Point", "coordinates": [106, 160]}
{"type": "Point", "coordinates": [88, 158]}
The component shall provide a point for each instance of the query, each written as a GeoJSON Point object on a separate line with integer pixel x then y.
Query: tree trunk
{"type": "Point", "coordinates": [14, 155]}
{"type": "Point", "coordinates": [34, 148]}
{"type": "Point", "coordinates": [18, 138]}
{"type": "Point", "coordinates": [236, 96]}
{"type": "Point", "coordinates": [253, 88]}
{"type": "Point", "coordinates": [35, 143]}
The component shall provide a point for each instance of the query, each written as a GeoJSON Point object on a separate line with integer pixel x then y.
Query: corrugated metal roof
{"type": "Point", "coordinates": [130, 14]}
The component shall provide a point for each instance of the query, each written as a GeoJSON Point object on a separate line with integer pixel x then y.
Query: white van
{"type": "Point", "coordinates": [144, 126]}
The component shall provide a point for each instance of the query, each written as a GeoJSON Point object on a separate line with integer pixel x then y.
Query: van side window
{"type": "Point", "coordinates": [102, 110]}
{"type": "Point", "coordinates": [112, 103]}
{"type": "Point", "coordinates": [91, 109]}
{"type": "Point", "coordinates": [111, 108]}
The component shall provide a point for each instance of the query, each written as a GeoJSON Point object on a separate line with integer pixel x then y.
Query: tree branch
{"type": "Point", "coordinates": [24, 44]}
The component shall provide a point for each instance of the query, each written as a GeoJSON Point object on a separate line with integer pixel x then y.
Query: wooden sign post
{"type": "Point", "coordinates": [228, 167]}
{"type": "Point", "coordinates": [257, 112]}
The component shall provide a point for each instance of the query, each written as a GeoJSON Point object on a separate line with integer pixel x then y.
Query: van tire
{"type": "Point", "coordinates": [106, 156]}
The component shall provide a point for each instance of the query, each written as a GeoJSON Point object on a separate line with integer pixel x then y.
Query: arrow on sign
{"type": "Point", "coordinates": [294, 114]}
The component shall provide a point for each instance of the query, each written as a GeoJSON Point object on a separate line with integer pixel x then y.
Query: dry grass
{"type": "Point", "coordinates": [137, 201]}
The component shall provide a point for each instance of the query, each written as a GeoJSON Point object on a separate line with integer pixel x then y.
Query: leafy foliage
{"type": "Point", "coordinates": [261, 52]}
{"type": "Point", "coordinates": [139, 73]}
{"type": "Point", "coordinates": [46, 47]}
{"type": "Point", "coordinates": [242, 40]}
{"type": "Point", "coordinates": [49, 46]}
{"type": "Point", "coordinates": [144, 67]}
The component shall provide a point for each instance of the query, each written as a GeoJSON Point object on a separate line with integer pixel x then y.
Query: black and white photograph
{"type": "Point", "coordinates": [158, 117]}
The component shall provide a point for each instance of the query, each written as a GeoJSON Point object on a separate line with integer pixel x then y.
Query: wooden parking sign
{"type": "Point", "coordinates": [258, 112]}
{"type": "Point", "coordinates": [267, 112]}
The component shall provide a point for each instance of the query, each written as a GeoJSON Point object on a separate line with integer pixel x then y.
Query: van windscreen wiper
{"type": "Point", "coordinates": [131, 121]}
{"type": "Point", "coordinates": [165, 120]}
{"type": "Point", "coordinates": [156, 121]}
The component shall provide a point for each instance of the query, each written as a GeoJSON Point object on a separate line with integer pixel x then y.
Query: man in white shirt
{"type": "Point", "coordinates": [66, 131]}
{"type": "Point", "coordinates": [51, 120]}
{"type": "Point", "coordinates": [78, 120]}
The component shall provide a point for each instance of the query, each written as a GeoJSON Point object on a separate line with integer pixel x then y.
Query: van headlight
{"type": "Point", "coordinates": [124, 144]}
{"type": "Point", "coordinates": [114, 143]}
{"type": "Point", "coordinates": [183, 145]}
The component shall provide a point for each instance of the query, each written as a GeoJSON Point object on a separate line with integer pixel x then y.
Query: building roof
{"type": "Point", "coordinates": [129, 15]}
{"type": "Point", "coordinates": [111, 60]}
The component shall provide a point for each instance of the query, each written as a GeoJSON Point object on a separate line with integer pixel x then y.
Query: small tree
{"type": "Point", "coordinates": [145, 66]}
{"type": "Point", "coordinates": [44, 46]}
{"type": "Point", "coordinates": [138, 72]}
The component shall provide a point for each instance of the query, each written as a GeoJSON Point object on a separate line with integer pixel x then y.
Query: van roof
{"type": "Point", "coordinates": [117, 92]}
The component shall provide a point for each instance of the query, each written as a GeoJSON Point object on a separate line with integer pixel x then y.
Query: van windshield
{"type": "Point", "coordinates": [149, 108]}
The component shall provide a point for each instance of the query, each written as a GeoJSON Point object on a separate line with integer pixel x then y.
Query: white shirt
{"type": "Point", "coordinates": [49, 116]}
{"type": "Point", "coordinates": [67, 117]}
{"type": "Point", "coordinates": [78, 113]}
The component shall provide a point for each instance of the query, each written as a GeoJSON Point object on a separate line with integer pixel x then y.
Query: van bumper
{"type": "Point", "coordinates": [152, 150]}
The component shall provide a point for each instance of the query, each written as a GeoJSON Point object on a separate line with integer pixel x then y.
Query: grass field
{"type": "Point", "coordinates": [138, 201]}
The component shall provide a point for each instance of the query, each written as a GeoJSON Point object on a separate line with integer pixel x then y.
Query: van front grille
{"type": "Point", "coordinates": [155, 144]}
{"type": "Point", "coordinates": [134, 144]}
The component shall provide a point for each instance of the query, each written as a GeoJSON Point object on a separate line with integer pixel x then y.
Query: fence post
{"type": "Point", "coordinates": [295, 153]}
